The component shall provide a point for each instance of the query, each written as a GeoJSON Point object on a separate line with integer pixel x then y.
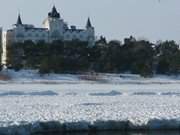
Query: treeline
{"type": "Point", "coordinates": [134, 56]}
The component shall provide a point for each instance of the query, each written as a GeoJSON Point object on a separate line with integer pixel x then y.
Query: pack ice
{"type": "Point", "coordinates": [30, 103]}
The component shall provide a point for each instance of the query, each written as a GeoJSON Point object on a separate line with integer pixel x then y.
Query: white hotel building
{"type": "Point", "coordinates": [54, 28]}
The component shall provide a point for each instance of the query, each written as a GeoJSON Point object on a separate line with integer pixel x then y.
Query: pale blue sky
{"type": "Point", "coordinates": [114, 19]}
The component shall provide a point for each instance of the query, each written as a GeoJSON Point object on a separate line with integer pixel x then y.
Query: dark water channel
{"type": "Point", "coordinates": [117, 133]}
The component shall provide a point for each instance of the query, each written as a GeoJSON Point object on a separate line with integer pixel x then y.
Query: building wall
{"type": "Point", "coordinates": [34, 34]}
{"type": "Point", "coordinates": [4, 46]}
{"type": "Point", "coordinates": [58, 29]}
{"type": "Point", "coordinates": [53, 29]}
{"type": "Point", "coordinates": [72, 35]}
{"type": "Point", "coordinates": [1, 43]}
{"type": "Point", "coordinates": [0, 34]}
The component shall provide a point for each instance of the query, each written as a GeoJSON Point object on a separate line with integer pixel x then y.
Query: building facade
{"type": "Point", "coordinates": [54, 28]}
{"type": "Point", "coordinates": [1, 41]}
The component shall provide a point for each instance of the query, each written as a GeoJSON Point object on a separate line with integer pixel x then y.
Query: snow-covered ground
{"type": "Point", "coordinates": [112, 102]}
{"type": "Point", "coordinates": [32, 76]}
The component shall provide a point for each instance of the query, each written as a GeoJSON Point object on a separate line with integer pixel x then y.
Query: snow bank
{"type": "Point", "coordinates": [32, 76]}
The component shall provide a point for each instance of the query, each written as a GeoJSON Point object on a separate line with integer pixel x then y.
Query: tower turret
{"type": "Point", "coordinates": [19, 21]}
{"type": "Point", "coordinates": [88, 25]}
{"type": "Point", "coordinates": [54, 13]}
{"type": "Point", "coordinates": [90, 32]}
{"type": "Point", "coordinates": [55, 24]}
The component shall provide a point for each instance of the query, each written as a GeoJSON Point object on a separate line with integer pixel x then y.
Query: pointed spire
{"type": "Point", "coordinates": [19, 21]}
{"type": "Point", "coordinates": [54, 9]}
{"type": "Point", "coordinates": [88, 25]}
{"type": "Point", "coordinates": [54, 13]}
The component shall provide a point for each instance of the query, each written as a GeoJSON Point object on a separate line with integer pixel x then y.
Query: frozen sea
{"type": "Point", "coordinates": [86, 106]}
{"type": "Point", "coordinates": [30, 104]}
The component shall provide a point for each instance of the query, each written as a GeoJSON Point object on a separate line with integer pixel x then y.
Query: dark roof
{"type": "Point", "coordinates": [74, 30]}
{"type": "Point", "coordinates": [88, 23]}
{"type": "Point", "coordinates": [54, 13]}
{"type": "Point", "coordinates": [26, 28]}
{"type": "Point", "coordinates": [9, 30]}
{"type": "Point", "coordinates": [19, 21]}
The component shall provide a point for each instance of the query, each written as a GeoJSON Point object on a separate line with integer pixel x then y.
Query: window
{"type": "Point", "coordinates": [74, 37]}
{"type": "Point", "coordinates": [29, 35]}
{"type": "Point", "coordinates": [67, 36]}
{"type": "Point", "coordinates": [37, 35]}
{"type": "Point", "coordinates": [81, 36]}
{"type": "Point", "coordinates": [43, 35]}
